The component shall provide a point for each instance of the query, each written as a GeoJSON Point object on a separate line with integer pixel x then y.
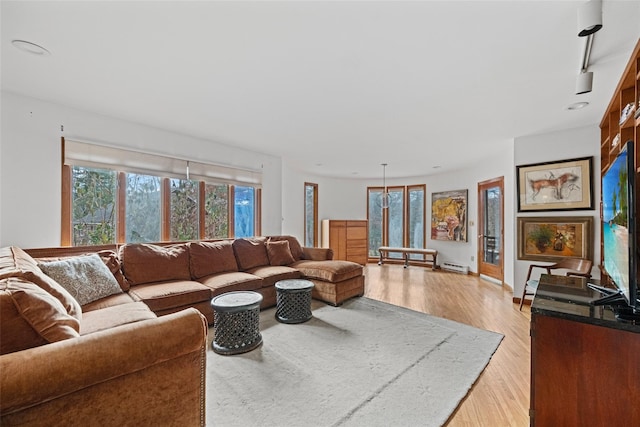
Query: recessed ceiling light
{"type": "Point", "coordinates": [29, 47]}
{"type": "Point", "coordinates": [577, 105]}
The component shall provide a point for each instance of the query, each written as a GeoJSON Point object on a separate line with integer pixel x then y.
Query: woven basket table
{"type": "Point", "coordinates": [293, 300]}
{"type": "Point", "coordinates": [236, 322]}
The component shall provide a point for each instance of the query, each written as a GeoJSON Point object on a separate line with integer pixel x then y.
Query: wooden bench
{"type": "Point", "coordinates": [384, 252]}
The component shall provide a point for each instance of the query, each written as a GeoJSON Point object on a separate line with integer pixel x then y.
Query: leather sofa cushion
{"type": "Point", "coordinates": [231, 281]}
{"type": "Point", "coordinates": [330, 271]}
{"type": "Point", "coordinates": [250, 252]}
{"type": "Point", "coordinates": [271, 274]}
{"type": "Point", "coordinates": [294, 245]}
{"type": "Point", "coordinates": [279, 253]}
{"type": "Point", "coordinates": [147, 263]}
{"type": "Point", "coordinates": [112, 261]}
{"type": "Point", "coordinates": [167, 295]}
{"type": "Point", "coordinates": [30, 316]}
{"type": "Point", "coordinates": [117, 315]}
{"type": "Point", "coordinates": [207, 258]}
{"type": "Point", "coordinates": [14, 262]}
{"type": "Point", "coordinates": [111, 300]}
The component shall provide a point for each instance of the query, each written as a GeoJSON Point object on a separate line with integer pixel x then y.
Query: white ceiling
{"type": "Point", "coordinates": [334, 87]}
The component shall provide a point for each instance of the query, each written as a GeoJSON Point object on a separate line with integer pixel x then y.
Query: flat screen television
{"type": "Point", "coordinates": [618, 231]}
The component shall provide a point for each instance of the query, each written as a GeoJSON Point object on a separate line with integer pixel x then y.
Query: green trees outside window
{"type": "Point", "coordinates": [143, 208]}
{"type": "Point", "coordinates": [184, 210]}
{"type": "Point", "coordinates": [93, 195]}
{"type": "Point", "coordinates": [216, 222]}
{"type": "Point", "coordinates": [310, 214]}
{"type": "Point", "coordinates": [399, 225]}
{"type": "Point", "coordinates": [187, 208]}
{"type": "Point", "coordinates": [375, 221]}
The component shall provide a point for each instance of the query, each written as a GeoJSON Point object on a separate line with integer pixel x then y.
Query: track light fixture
{"type": "Point", "coordinates": [584, 82]}
{"type": "Point", "coordinates": [589, 18]}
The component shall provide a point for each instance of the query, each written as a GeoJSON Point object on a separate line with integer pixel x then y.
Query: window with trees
{"type": "Point", "coordinates": [402, 223]}
{"type": "Point", "coordinates": [104, 205]}
{"type": "Point", "coordinates": [143, 208]}
{"type": "Point", "coordinates": [94, 206]}
{"type": "Point", "coordinates": [310, 215]}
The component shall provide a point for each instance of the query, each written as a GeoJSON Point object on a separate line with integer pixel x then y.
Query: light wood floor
{"type": "Point", "coordinates": [500, 397]}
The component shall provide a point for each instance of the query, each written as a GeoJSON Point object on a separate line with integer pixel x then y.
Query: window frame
{"type": "Point", "coordinates": [66, 228]}
{"type": "Point", "coordinates": [406, 219]}
{"type": "Point", "coordinates": [315, 213]}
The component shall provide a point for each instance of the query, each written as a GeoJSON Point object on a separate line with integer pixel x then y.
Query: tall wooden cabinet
{"type": "Point", "coordinates": [621, 123]}
{"type": "Point", "coordinates": [347, 238]}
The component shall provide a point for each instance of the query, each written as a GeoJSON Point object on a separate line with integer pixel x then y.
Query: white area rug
{"type": "Point", "coordinates": [366, 363]}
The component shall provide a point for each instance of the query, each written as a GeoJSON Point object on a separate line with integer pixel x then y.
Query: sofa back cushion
{"type": "Point", "coordinates": [111, 260]}
{"type": "Point", "coordinates": [251, 252]}
{"type": "Point", "coordinates": [279, 253]}
{"type": "Point", "coordinates": [30, 316]}
{"type": "Point", "coordinates": [147, 263]}
{"type": "Point", "coordinates": [294, 245]}
{"type": "Point", "coordinates": [207, 258]}
{"type": "Point", "coordinates": [14, 262]}
{"type": "Point", "coordinates": [85, 277]}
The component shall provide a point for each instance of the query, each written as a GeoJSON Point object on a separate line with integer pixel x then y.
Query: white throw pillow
{"type": "Point", "coordinates": [86, 277]}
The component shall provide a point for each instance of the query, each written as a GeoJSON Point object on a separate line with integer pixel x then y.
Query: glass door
{"type": "Point", "coordinates": [490, 228]}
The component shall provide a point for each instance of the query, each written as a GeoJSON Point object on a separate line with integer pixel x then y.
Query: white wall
{"type": "Point", "coordinates": [30, 177]}
{"type": "Point", "coordinates": [468, 178]}
{"type": "Point", "coordinates": [337, 199]}
{"type": "Point", "coordinates": [30, 164]}
{"type": "Point", "coordinates": [347, 199]}
{"type": "Point", "coordinates": [567, 144]}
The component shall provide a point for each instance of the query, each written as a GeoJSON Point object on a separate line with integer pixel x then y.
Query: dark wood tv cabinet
{"type": "Point", "coordinates": [585, 365]}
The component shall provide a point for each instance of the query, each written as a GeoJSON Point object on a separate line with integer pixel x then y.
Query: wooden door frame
{"type": "Point", "coordinates": [499, 270]}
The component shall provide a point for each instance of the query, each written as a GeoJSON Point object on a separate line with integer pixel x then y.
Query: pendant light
{"type": "Point", "coordinates": [385, 195]}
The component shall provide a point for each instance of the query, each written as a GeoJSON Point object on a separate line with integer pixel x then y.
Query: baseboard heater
{"type": "Point", "coordinates": [455, 267]}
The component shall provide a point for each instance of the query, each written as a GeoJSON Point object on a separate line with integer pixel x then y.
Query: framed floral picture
{"type": "Point", "coordinates": [554, 238]}
{"type": "Point", "coordinates": [449, 216]}
{"type": "Point", "coordinates": [560, 185]}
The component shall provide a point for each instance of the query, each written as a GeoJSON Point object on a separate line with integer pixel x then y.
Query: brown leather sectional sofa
{"type": "Point", "coordinates": [99, 361]}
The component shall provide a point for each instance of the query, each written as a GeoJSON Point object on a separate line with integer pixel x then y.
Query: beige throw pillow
{"type": "Point", "coordinates": [86, 278]}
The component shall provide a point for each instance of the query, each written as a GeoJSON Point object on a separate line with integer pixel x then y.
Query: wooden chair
{"type": "Point", "coordinates": [574, 266]}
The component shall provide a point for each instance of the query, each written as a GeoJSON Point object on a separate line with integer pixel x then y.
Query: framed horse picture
{"type": "Point", "coordinates": [555, 186]}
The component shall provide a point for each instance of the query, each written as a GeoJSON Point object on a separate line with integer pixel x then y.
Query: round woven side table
{"type": "Point", "coordinates": [236, 322]}
{"type": "Point", "coordinates": [293, 300]}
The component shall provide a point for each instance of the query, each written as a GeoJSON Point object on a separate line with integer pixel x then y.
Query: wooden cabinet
{"type": "Point", "coordinates": [583, 373]}
{"type": "Point", "coordinates": [347, 238]}
{"type": "Point", "coordinates": [619, 126]}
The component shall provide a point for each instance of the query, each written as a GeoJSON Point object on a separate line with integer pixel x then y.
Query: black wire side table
{"type": "Point", "coordinates": [293, 300]}
{"type": "Point", "coordinates": [236, 322]}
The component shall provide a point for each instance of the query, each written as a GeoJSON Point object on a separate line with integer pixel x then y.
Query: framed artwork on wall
{"type": "Point", "coordinates": [555, 186]}
{"type": "Point", "coordinates": [449, 216]}
{"type": "Point", "coordinates": [554, 238]}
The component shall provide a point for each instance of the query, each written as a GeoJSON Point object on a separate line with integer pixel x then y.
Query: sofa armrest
{"type": "Point", "coordinates": [108, 368]}
{"type": "Point", "coordinates": [317, 254]}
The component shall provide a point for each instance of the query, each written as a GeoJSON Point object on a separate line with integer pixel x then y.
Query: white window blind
{"type": "Point", "coordinates": [92, 155]}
